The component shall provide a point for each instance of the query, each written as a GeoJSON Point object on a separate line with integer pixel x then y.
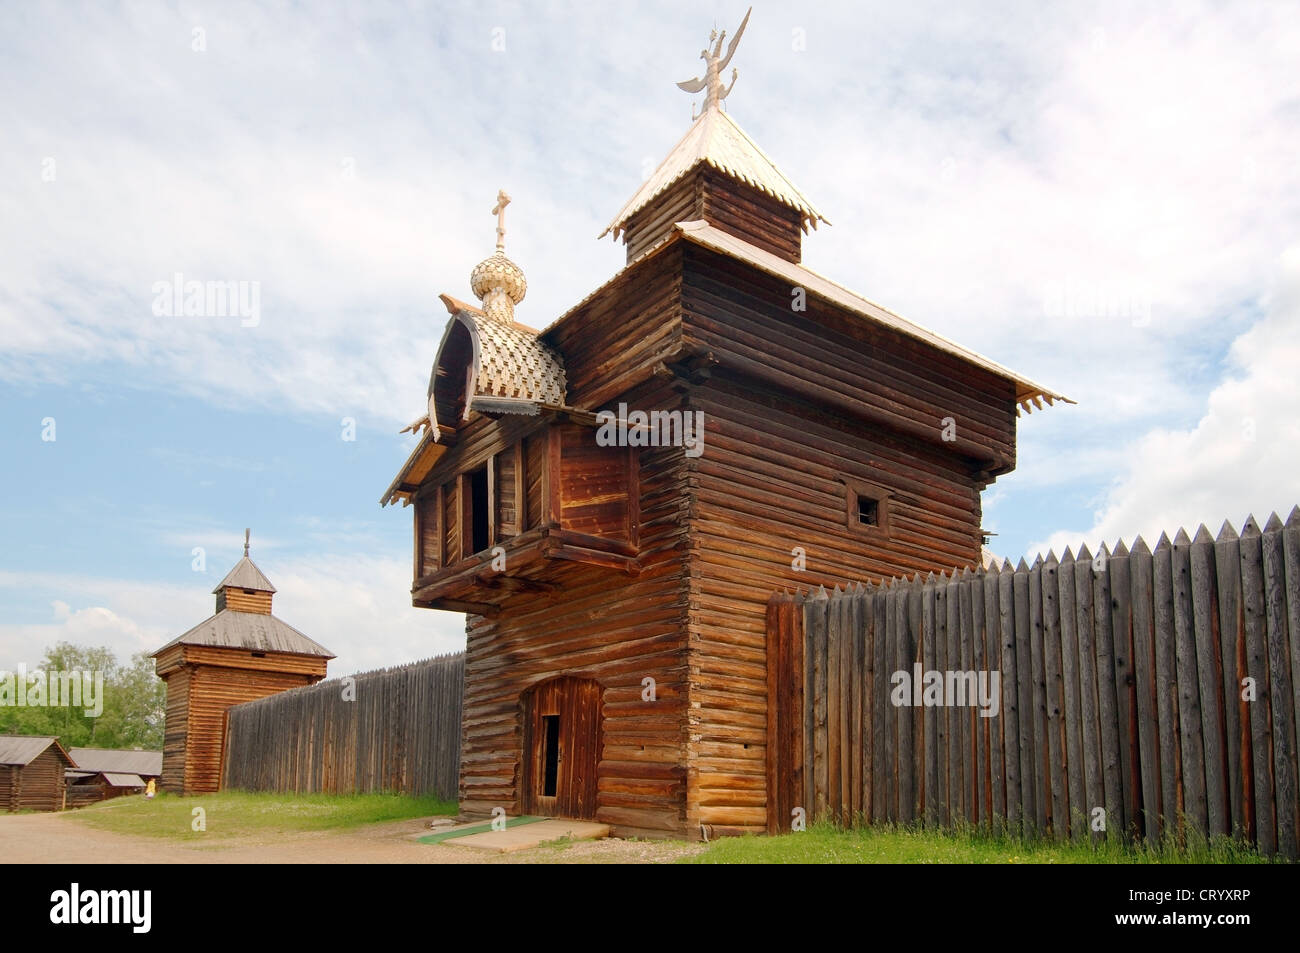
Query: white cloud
{"type": "Point", "coordinates": [1241, 457]}
{"type": "Point", "coordinates": [357, 606]}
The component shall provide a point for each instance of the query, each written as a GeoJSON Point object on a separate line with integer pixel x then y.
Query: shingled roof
{"type": "Point", "coordinates": [117, 760]}
{"type": "Point", "coordinates": [715, 139]}
{"type": "Point", "coordinates": [22, 750]}
{"type": "Point", "coordinates": [255, 631]}
{"type": "Point", "coordinates": [245, 575]}
{"type": "Point", "coordinates": [509, 370]}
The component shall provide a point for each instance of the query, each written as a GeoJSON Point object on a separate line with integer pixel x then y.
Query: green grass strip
{"type": "Point", "coordinates": [477, 829]}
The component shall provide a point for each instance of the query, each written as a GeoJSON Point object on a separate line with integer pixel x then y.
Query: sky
{"type": "Point", "coordinates": [1102, 197]}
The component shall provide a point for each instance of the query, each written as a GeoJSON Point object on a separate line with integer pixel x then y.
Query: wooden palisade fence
{"type": "Point", "coordinates": [397, 729]}
{"type": "Point", "coordinates": [1159, 687]}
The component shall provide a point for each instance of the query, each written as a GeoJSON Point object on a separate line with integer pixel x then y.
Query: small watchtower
{"type": "Point", "coordinates": [239, 654]}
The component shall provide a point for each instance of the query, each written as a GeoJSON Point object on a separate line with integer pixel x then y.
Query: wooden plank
{"type": "Point", "coordinates": [1043, 794]}
{"type": "Point", "coordinates": [1016, 688]}
{"type": "Point", "coordinates": [1205, 620]}
{"type": "Point", "coordinates": [1190, 725]}
{"type": "Point", "coordinates": [1107, 701]}
{"type": "Point", "coordinates": [930, 740]}
{"type": "Point", "coordinates": [1232, 665]}
{"type": "Point", "coordinates": [1280, 696]}
{"type": "Point", "coordinates": [881, 769]}
{"type": "Point", "coordinates": [890, 779]}
{"type": "Point", "coordinates": [982, 793]}
{"type": "Point", "coordinates": [1071, 677]}
{"type": "Point", "coordinates": [860, 690]}
{"type": "Point", "coordinates": [1005, 690]}
{"type": "Point", "coordinates": [906, 759]}
{"type": "Point", "coordinates": [1120, 584]}
{"type": "Point", "coordinates": [956, 775]}
{"type": "Point", "coordinates": [1260, 714]}
{"type": "Point", "coordinates": [833, 695]}
{"type": "Point", "coordinates": [1089, 700]}
{"type": "Point", "coordinates": [1055, 699]}
{"type": "Point", "coordinates": [815, 619]}
{"type": "Point", "coordinates": [1291, 568]}
{"type": "Point", "coordinates": [1167, 688]}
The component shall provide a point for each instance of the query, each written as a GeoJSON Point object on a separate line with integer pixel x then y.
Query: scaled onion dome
{"type": "Point", "coordinates": [500, 284]}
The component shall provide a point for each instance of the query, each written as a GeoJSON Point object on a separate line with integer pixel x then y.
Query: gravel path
{"type": "Point", "coordinates": [61, 839]}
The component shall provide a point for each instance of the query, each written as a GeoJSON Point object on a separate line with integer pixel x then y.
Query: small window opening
{"type": "Point", "coordinates": [250, 592]}
{"type": "Point", "coordinates": [259, 655]}
{"type": "Point", "coordinates": [550, 754]}
{"type": "Point", "coordinates": [478, 508]}
{"type": "Point", "coordinates": [868, 511]}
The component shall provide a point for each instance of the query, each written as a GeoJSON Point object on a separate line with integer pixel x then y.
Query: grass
{"type": "Point", "coordinates": [826, 844]}
{"type": "Point", "coordinates": [243, 813]}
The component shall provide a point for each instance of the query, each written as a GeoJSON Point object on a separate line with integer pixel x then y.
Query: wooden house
{"type": "Point", "coordinates": [104, 773]}
{"type": "Point", "coordinates": [616, 588]}
{"type": "Point", "coordinates": [239, 654]}
{"type": "Point", "coordinates": [32, 773]}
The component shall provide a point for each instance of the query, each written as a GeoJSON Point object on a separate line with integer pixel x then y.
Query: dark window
{"type": "Point", "coordinates": [259, 655]}
{"type": "Point", "coordinates": [550, 754]}
{"type": "Point", "coordinates": [478, 508]}
{"type": "Point", "coordinates": [868, 511]}
{"type": "Point", "coordinates": [867, 507]}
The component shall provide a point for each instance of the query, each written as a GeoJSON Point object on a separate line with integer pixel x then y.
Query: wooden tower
{"type": "Point", "coordinates": [239, 654]}
{"type": "Point", "coordinates": [616, 590]}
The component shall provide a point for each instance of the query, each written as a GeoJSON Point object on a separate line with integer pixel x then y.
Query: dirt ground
{"type": "Point", "coordinates": [60, 839]}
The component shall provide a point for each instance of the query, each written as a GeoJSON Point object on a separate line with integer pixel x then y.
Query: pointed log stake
{"type": "Point", "coordinates": [1280, 687]}
{"type": "Point", "coordinates": [1231, 660]}
{"type": "Point", "coordinates": [1260, 713]}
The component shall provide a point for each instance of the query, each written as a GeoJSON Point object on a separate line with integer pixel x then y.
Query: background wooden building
{"type": "Point", "coordinates": [239, 654]}
{"type": "Point", "coordinates": [103, 773]}
{"type": "Point", "coordinates": [616, 594]}
{"type": "Point", "coordinates": [32, 773]}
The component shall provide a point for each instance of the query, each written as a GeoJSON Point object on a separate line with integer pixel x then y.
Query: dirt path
{"type": "Point", "coordinates": [60, 839]}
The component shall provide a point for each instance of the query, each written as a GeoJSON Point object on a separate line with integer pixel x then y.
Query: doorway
{"type": "Point", "coordinates": [562, 744]}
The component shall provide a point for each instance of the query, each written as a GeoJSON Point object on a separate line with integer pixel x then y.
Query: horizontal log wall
{"type": "Point", "coordinates": [607, 625]}
{"type": "Point", "coordinates": [772, 491]}
{"type": "Point", "coordinates": [1143, 694]}
{"type": "Point", "coordinates": [399, 732]}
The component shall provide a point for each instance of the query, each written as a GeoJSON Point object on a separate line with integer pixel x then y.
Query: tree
{"type": "Point", "coordinates": [133, 701]}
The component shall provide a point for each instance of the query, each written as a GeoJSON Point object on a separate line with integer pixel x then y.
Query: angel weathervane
{"type": "Point", "coordinates": [715, 63]}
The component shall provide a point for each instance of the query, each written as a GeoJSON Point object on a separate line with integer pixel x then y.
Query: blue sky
{"type": "Point", "coordinates": [991, 171]}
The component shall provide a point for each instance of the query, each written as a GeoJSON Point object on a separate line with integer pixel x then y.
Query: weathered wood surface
{"type": "Point", "coordinates": [393, 730]}
{"type": "Point", "coordinates": [1121, 686]}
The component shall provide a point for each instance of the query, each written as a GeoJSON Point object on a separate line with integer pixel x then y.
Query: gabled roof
{"type": "Point", "coordinates": [110, 760]}
{"type": "Point", "coordinates": [245, 575]}
{"type": "Point", "coordinates": [22, 750]}
{"type": "Point", "coordinates": [1028, 393]}
{"type": "Point", "coordinates": [255, 631]}
{"type": "Point", "coordinates": [123, 780]}
{"type": "Point", "coordinates": [717, 140]}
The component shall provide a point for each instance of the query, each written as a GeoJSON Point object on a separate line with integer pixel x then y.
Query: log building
{"type": "Point", "coordinates": [614, 561]}
{"type": "Point", "coordinates": [32, 773]}
{"type": "Point", "coordinates": [239, 654]}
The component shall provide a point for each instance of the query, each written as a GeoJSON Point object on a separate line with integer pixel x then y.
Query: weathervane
{"type": "Point", "coordinates": [715, 63]}
{"type": "Point", "coordinates": [499, 210]}
{"type": "Point", "coordinates": [246, 535]}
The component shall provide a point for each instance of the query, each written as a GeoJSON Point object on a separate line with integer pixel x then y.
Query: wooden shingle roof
{"type": "Point", "coordinates": [21, 750]}
{"type": "Point", "coordinates": [255, 631]}
{"type": "Point", "coordinates": [245, 575]}
{"type": "Point", "coordinates": [109, 760]}
{"type": "Point", "coordinates": [715, 139]}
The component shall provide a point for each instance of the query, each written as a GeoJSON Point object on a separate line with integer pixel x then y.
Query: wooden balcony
{"type": "Point", "coordinates": [516, 519]}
